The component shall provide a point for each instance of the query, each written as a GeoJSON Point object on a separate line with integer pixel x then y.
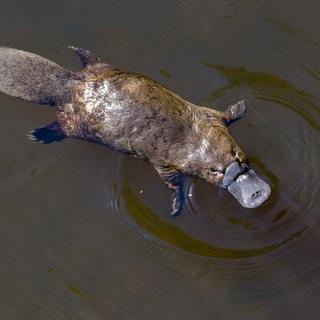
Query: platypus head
{"type": "Point", "coordinates": [221, 161]}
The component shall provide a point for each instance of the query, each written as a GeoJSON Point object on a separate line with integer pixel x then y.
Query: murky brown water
{"type": "Point", "coordinates": [86, 232]}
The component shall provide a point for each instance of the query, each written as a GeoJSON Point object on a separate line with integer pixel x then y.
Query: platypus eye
{"type": "Point", "coordinates": [214, 171]}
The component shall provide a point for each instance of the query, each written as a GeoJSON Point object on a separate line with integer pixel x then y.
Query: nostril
{"type": "Point", "coordinates": [255, 194]}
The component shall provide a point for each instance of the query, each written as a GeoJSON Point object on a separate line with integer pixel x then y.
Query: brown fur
{"type": "Point", "coordinates": [127, 112]}
{"type": "Point", "coordinates": [148, 121]}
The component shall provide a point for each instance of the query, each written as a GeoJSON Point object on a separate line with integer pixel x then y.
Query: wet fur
{"type": "Point", "coordinates": [133, 114]}
{"type": "Point", "coordinates": [127, 112]}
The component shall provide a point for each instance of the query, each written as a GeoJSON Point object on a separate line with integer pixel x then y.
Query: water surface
{"type": "Point", "coordinates": [86, 232]}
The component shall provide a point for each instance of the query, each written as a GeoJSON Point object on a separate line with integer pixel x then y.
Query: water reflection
{"type": "Point", "coordinates": [266, 87]}
{"type": "Point", "coordinates": [213, 224]}
{"type": "Point", "coordinates": [150, 222]}
{"type": "Point", "coordinates": [314, 72]}
{"type": "Point", "coordinates": [256, 259]}
{"type": "Point", "coordinates": [292, 31]}
{"type": "Point", "coordinates": [86, 232]}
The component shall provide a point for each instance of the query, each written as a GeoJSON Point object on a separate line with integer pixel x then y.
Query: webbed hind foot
{"type": "Point", "coordinates": [86, 57]}
{"type": "Point", "coordinates": [48, 134]}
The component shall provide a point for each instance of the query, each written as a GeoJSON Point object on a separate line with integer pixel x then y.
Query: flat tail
{"type": "Point", "coordinates": [31, 77]}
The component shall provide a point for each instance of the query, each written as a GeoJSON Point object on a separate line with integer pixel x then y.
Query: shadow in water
{"type": "Point", "coordinates": [150, 222]}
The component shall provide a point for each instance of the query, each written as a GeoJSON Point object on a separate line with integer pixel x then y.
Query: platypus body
{"type": "Point", "coordinates": [133, 114]}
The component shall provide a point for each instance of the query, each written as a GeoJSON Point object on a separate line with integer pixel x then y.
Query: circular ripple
{"type": "Point", "coordinates": [263, 256]}
{"type": "Point", "coordinates": [215, 237]}
{"type": "Point", "coordinates": [280, 137]}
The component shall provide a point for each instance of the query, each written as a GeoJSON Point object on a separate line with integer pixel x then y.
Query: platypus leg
{"type": "Point", "coordinates": [177, 196]}
{"type": "Point", "coordinates": [86, 57]}
{"type": "Point", "coordinates": [234, 112]}
{"type": "Point", "coordinates": [175, 182]}
{"type": "Point", "coordinates": [48, 134]}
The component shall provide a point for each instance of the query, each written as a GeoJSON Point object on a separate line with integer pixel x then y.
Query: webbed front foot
{"type": "Point", "coordinates": [235, 112]}
{"type": "Point", "coordinates": [178, 199]}
{"type": "Point", "coordinates": [175, 182]}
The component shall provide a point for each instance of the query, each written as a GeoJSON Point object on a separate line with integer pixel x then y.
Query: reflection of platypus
{"type": "Point", "coordinates": [133, 114]}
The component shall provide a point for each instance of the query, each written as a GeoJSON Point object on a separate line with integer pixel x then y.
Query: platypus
{"type": "Point", "coordinates": [133, 114]}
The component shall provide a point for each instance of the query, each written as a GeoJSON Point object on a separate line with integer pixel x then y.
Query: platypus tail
{"type": "Point", "coordinates": [33, 78]}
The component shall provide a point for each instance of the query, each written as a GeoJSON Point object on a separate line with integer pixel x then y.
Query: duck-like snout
{"type": "Point", "coordinates": [245, 185]}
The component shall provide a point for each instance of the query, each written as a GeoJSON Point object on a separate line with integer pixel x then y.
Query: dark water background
{"type": "Point", "coordinates": [85, 232]}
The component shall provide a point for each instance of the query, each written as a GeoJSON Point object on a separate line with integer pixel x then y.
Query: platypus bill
{"type": "Point", "coordinates": [138, 116]}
